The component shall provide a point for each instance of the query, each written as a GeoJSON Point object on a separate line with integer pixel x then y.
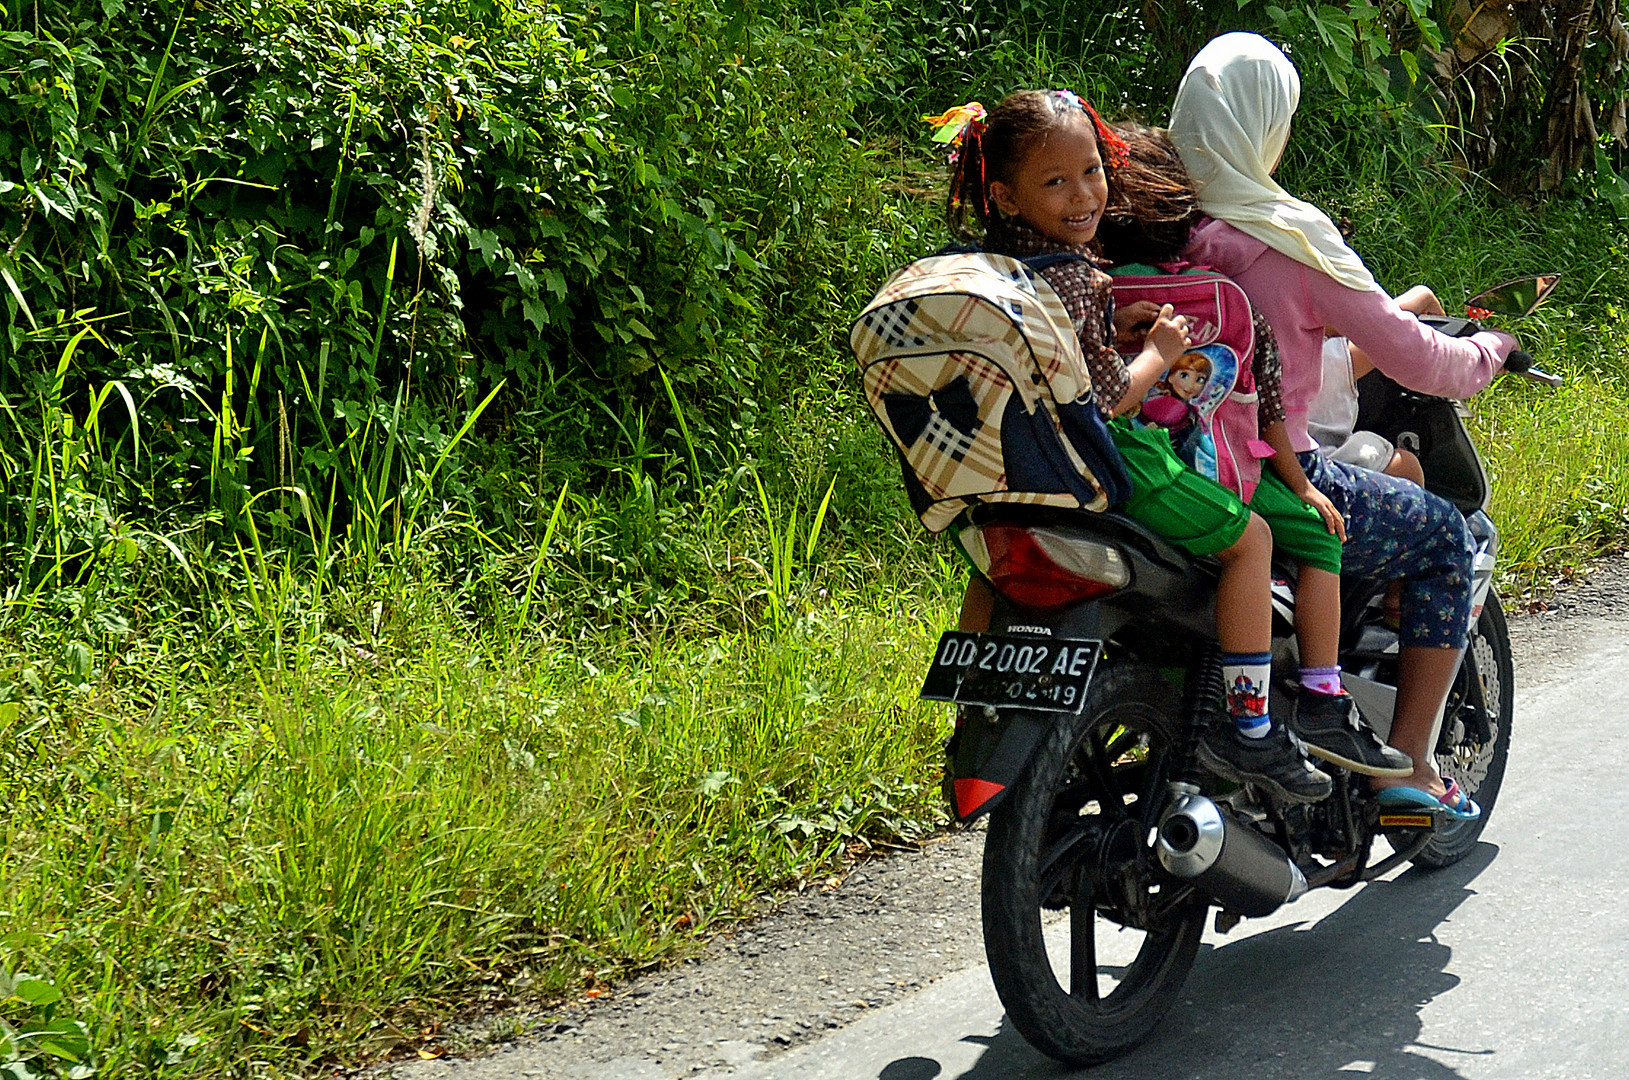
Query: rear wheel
{"type": "Point", "coordinates": [1074, 834]}
{"type": "Point", "coordinates": [1475, 758]}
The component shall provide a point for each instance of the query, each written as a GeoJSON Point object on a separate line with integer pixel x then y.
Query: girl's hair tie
{"type": "Point", "coordinates": [1119, 151]}
{"type": "Point", "coordinates": [954, 125]}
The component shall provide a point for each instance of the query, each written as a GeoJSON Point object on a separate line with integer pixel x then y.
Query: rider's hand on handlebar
{"type": "Point", "coordinates": [1169, 335]}
{"type": "Point", "coordinates": [1504, 345]}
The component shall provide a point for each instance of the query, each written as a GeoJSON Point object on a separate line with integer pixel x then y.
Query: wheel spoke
{"type": "Point", "coordinates": [1083, 942]}
{"type": "Point", "coordinates": [1062, 854]}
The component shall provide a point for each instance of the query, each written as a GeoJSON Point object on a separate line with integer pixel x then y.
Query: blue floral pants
{"type": "Point", "coordinates": [1395, 529]}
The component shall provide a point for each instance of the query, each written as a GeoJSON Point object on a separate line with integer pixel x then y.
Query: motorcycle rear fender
{"type": "Point", "coordinates": [989, 748]}
{"type": "Point", "coordinates": [987, 754]}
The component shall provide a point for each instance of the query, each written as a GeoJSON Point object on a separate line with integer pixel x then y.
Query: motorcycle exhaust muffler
{"type": "Point", "coordinates": [1224, 858]}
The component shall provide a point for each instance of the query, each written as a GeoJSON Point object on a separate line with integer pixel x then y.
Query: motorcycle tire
{"type": "Point", "coordinates": [1076, 827]}
{"type": "Point", "coordinates": [1478, 766]}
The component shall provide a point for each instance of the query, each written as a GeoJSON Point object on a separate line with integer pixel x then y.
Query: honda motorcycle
{"type": "Point", "coordinates": [1079, 717]}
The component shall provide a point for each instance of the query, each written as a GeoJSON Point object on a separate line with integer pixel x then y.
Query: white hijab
{"type": "Point", "coordinates": [1230, 123]}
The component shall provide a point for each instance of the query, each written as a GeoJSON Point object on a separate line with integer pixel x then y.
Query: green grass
{"type": "Point", "coordinates": [1560, 468]}
{"type": "Point", "coordinates": [309, 862]}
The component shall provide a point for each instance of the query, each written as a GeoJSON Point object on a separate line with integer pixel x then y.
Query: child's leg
{"type": "Point", "coordinates": [1300, 533]}
{"type": "Point", "coordinates": [1326, 717]}
{"type": "Point", "coordinates": [1244, 612]}
{"type": "Point", "coordinates": [1318, 620]}
{"type": "Point", "coordinates": [1406, 466]}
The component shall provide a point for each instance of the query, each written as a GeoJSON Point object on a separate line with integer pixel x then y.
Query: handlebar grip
{"type": "Point", "coordinates": [1518, 361]}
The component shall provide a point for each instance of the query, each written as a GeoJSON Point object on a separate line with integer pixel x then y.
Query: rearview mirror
{"type": "Point", "coordinates": [1519, 297]}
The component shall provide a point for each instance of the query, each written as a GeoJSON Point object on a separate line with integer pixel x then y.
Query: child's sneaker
{"type": "Point", "coordinates": [1277, 761]}
{"type": "Point", "coordinates": [1335, 731]}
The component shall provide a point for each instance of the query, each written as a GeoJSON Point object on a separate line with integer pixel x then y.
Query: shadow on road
{"type": "Point", "coordinates": [1297, 1001]}
{"type": "Point", "coordinates": [911, 1068]}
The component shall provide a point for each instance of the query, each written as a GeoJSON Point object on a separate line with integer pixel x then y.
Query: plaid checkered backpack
{"type": "Point", "coordinates": [971, 365]}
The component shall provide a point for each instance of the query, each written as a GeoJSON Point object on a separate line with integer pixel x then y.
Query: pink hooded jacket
{"type": "Point", "coordinates": [1300, 301]}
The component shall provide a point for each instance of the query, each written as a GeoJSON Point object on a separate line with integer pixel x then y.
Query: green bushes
{"type": "Point", "coordinates": [285, 221]}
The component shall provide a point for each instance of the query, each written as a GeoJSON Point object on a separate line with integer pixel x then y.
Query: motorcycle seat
{"type": "Point", "coordinates": [1104, 525]}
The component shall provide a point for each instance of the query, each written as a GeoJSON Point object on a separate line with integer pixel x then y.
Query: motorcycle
{"type": "Point", "coordinates": [1079, 716]}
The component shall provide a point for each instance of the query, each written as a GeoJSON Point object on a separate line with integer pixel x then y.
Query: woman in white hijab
{"type": "Point", "coordinates": [1230, 123]}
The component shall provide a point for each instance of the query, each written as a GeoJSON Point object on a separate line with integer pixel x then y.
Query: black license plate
{"type": "Point", "coordinates": [1048, 674]}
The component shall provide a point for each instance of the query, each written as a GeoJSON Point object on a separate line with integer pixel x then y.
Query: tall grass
{"type": "Point", "coordinates": [290, 818]}
{"type": "Point", "coordinates": [302, 865]}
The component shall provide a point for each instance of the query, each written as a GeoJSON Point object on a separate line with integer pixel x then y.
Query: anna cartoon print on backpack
{"type": "Point", "coordinates": [1215, 370]}
{"type": "Point", "coordinates": [1185, 402]}
{"type": "Point", "coordinates": [1171, 404]}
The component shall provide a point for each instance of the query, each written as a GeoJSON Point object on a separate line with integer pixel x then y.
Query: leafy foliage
{"type": "Point", "coordinates": [304, 237]}
{"type": "Point", "coordinates": [37, 1038]}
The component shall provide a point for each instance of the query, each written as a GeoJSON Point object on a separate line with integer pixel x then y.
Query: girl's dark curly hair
{"type": "Point", "coordinates": [1153, 205]}
{"type": "Point", "coordinates": [992, 150]}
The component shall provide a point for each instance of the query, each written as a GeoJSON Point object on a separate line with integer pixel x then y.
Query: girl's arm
{"type": "Point", "coordinates": [1268, 365]}
{"type": "Point", "coordinates": [1289, 470]}
{"type": "Point", "coordinates": [1165, 342]}
{"type": "Point", "coordinates": [1117, 386]}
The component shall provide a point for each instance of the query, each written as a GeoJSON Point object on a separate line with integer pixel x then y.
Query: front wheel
{"type": "Point", "coordinates": [1074, 833]}
{"type": "Point", "coordinates": [1476, 758]}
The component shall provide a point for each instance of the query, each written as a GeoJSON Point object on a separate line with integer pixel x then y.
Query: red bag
{"type": "Point", "coordinates": [1208, 398]}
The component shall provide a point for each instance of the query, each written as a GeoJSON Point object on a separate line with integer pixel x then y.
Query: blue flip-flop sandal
{"type": "Point", "coordinates": [1454, 802]}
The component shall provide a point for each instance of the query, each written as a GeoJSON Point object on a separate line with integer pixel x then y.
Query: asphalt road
{"type": "Point", "coordinates": [1513, 964]}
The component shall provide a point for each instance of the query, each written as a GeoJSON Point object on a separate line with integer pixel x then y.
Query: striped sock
{"type": "Point", "coordinates": [1246, 676]}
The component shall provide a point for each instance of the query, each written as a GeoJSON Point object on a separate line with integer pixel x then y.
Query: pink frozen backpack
{"type": "Point", "coordinates": [1207, 401]}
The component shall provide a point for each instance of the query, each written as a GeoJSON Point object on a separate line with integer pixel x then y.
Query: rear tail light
{"type": "Point", "coordinates": [1044, 569]}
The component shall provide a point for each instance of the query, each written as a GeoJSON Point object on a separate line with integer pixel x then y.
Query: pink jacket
{"type": "Point", "coordinates": [1300, 301]}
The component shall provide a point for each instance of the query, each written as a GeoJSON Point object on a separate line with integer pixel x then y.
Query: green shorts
{"type": "Point", "coordinates": [1298, 530]}
{"type": "Point", "coordinates": [1197, 514]}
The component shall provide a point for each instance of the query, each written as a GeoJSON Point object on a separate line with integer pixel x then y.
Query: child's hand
{"type": "Point", "coordinates": [1169, 335]}
{"type": "Point", "coordinates": [1132, 322]}
{"type": "Point", "coordinates": [1326, 510]}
